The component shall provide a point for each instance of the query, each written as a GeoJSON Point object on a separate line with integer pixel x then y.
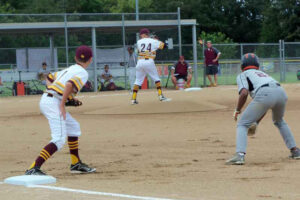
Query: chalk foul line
{"type": "Point", "coordinates": [96, 193]}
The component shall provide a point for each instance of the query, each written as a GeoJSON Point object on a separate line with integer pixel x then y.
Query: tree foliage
{"type": "Point", "coordinates": [240, 20]}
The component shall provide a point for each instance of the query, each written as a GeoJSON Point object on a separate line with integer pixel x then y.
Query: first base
{"type": "Point", "coordinates": [30, 180]}
{"type": "Point", "coordinates": [192, 89]}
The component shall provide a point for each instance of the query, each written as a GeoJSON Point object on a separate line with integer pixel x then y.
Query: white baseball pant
{"type": "Point", "coordinates": [59, 127]}
{"type": "Point", "coordinates": [143, 68]}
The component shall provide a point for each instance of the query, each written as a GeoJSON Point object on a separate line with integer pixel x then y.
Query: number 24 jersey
{"type": "Point", "coordinates": [147, 47]}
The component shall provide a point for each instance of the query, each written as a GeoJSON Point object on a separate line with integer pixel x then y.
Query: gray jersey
{"type": "Point", "coordinates": [252, 80]}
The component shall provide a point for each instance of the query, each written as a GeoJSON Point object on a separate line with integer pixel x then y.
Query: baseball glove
{"type": "Point", "coordinates": [73, 102]}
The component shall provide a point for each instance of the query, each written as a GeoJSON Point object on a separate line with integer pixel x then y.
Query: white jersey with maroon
{"type": "Point", "coordinates": [252, 80]}
{"type": "Point", "coordinates": [147, 47]}
{"type": "Point", "coordinates": [147, 52]}
{"type": "Point", "coordinates": [74, 74]}
{"type": "Point", "coordinates": [51, 100]}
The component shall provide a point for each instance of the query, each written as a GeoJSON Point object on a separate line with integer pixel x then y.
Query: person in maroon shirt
{"type": "Point", "coordinates": [181, 70]}
{"type": "Point", "coordinates": [211, 62]}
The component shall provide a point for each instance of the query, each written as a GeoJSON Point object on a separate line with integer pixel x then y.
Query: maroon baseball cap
{"type": "Point", "coordinates": [144, 31]}
{"type": "Point", "coordinates": [84, 53]}
{"type": "Point", "coordinates": [181, 57]}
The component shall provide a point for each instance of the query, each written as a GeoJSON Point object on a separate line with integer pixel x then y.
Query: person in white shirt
{"type": "Point", "coordinates": [62, 87]}
{"type": "Point", "coordinates": [106, 77]}
{"type": "Point", "coordinates": [267, 94]}
{"type": "Point", "coordinates": [147, 48]}
{"type": "Point", "coordinates": [43, 73]}
{"type": "Point", "coordinates": [132, 61]}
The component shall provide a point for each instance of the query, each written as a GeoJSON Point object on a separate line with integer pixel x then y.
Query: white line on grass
{"type": "Point", "coordinates": [96, 193]}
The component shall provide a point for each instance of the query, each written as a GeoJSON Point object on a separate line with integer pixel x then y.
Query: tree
{"type": "Point", "coordinates": [281, 21]}
{"type": "Point", "coordinates": [228, 51]}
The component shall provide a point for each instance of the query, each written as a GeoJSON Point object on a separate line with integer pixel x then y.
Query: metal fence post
{"type": "Point", "coordinates": [66, 40]}
{"type": "Point", "coordinates": [52, 63]}
{"type": "Point", "coordinates": [195, 57]}
{"type": "Point", "coordinates": [124, 50]}
{"type": "Point", "coordinates": [179, 31]}
{"type": "Point", "coordinates": [242, 50]}
{"type": "Point", "coordinates": [94, 43]}
{"type": "Point", "coordinates": [204, 66]}
{"type": "Point", "coordinates": [280, 61]}
{"type": "Point", "coordinates": [283, 61]}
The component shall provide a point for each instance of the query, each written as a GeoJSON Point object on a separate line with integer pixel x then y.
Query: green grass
{"type": "Point", "coordinates": [223, 79]}
{"type": "Point", "coordinates": [6, 88]}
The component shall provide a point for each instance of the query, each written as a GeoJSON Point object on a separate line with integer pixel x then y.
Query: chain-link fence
{"type": "Point", "coordinates": [54, 38]}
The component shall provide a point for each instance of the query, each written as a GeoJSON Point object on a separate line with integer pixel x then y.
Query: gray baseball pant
{"type": "Point", "coordinates": [274, 98]}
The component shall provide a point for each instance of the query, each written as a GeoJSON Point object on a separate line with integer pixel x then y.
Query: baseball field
{"type": "Point", "coordinates": [155, 150]}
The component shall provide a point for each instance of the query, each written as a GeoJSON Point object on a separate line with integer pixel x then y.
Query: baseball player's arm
{"type": "Point", "coordinates": [67, 92]}
{"type": "Point", "coordinates": [241, 102]}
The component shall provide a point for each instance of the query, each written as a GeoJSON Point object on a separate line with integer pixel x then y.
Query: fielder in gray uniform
{"type": "Point", "coordinates": [267, 94]}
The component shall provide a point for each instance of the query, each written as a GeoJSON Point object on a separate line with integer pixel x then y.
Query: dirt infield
{"type": "Point", "coordinates": [174, 150]}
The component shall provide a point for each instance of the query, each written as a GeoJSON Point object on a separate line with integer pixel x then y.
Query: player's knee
{"type": "Point", "coordinates": [244, 123]}
{"type": "Point", "coordinates": [76, 130]}
{"type": "Point", "coordinates": [59, 142]}
{"type": "Point", "coordinates": [279, 123]}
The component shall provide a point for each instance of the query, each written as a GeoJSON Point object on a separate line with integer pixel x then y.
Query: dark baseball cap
{"type": "Point", "coordinates": [144, 31]}
{"type": "Point", "coordinates": [84, 53]}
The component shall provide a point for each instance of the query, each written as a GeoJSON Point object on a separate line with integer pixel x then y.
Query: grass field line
{"type": "Point", "coordinates": [126, 196]}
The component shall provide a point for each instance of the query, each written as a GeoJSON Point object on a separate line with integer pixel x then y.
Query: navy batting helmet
{"type": "Point", "coordinates": [250, 61]}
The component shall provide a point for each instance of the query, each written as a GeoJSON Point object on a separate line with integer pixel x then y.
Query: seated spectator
{"type": "Point", "coordinates": [43, 73]}
{"type": "Point", "coordinates": [106, 77]}
{"type": "Point", "coordinates": [181, 70]}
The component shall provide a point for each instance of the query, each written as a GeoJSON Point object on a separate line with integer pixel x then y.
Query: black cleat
{"type": "Point", "coordinates": [133, 102]}
{"type": "Point", "coordinates": [35, 171]}
{"type": "Point", "coordinates": [295, 154]}
{"type": "Point", "coordinates": [81, 168]}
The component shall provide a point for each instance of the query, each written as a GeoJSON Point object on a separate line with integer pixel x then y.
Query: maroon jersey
{"type": "Point", "coordinates": [181, 68]}
{"type": "Point", "coordinates": [210, 55]}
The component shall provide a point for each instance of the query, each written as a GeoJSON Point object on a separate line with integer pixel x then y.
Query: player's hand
{"type": "Point", "coordinates": [62, 111]}
{"type": "Point", "coordinates": [236, 114]}
{"type": "Point", "coordinates": [215, 60]}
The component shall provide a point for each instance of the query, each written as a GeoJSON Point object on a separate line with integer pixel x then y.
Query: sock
{"type": "Point", "coordinates": [73, 146]}
{"type": "Point", "coordinates": [45, 154]}
{"type": "Point", "coordinates": [158, 87]}
{"type": "Point", "coordinates": [135, 91]}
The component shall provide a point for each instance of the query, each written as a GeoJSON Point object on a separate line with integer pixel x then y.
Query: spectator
{"type": "Point", "coordinates": [211, 61]}
{"type": "Point", "coordinates": [43, 73]}
{"type": "Point", "coordinates": [132, 60]}
{"type": "Point", "coordinates": [106, 77]}
{"type": "Point", "coordinates": [181, 70]}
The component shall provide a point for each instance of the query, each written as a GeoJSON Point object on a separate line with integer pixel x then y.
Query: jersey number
{"type": "Point", "coordinates": [261, 74]}
{"type": "Point", "coordinates": [148, 47]}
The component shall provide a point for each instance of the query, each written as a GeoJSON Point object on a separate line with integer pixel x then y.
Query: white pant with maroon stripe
{"type": "Point", "coordinates": [59, 127]}
{"type": "Point", "coordinates": [143, 68]}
